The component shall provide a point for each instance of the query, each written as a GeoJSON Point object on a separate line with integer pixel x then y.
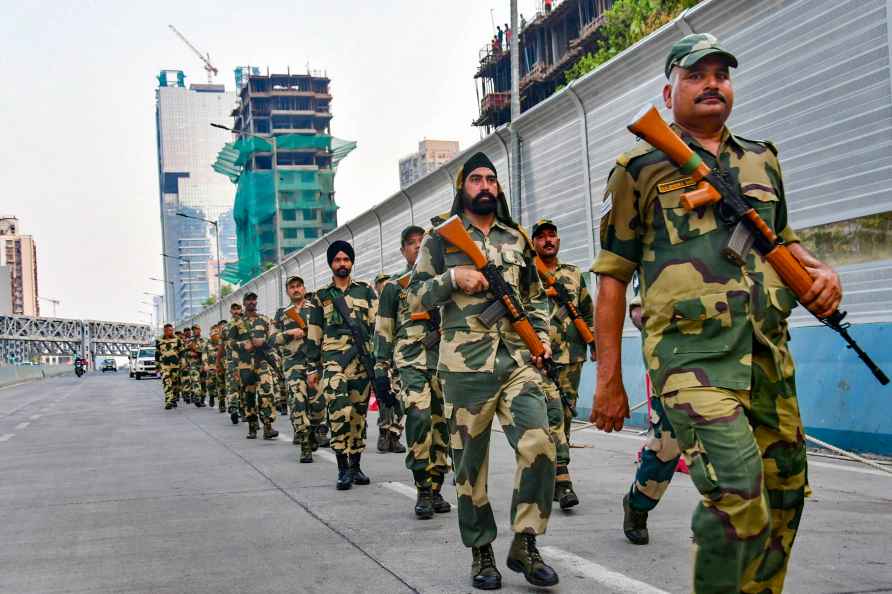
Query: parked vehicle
{"type": "Point", "coordinates": [131, 359]}
{"type": "Point", "coordinates": [145, 363]}
{"type": "Point", "coordinates": [109, 365]}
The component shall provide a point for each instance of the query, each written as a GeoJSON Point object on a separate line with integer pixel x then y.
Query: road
{"type": "Point", "coordinates": [104, 491]}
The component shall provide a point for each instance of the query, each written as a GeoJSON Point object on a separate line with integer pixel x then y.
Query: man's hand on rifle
{"type": "Point", "coordinates": [296, 332]}
{"type": "Point", "coordinates": [611, 407]}
{"type": "Point", "coordinates": [313, 380]}
{"type": "Point", "coordinates": [825, 294]}
{"type": "Point", "coordinates": [540, 361]}
{"type": "Point", "coordinates": [469, 281]}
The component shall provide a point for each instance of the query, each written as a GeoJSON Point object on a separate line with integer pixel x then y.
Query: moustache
{"type": "Point", "coordinates": [484, 194]}
{"type": "Point", "coordinates": [548, 245]}
{"type": "Point", "coordinates": [342, 272]}
{"type": "Point", "coordinates": [705, 96]}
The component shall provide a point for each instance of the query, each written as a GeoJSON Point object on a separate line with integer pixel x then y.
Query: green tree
{"type": "Point", "coordinates": [625, 23]}
{"type": "Point", "coordinates": [210, 300]}
{"type": "Point", "coordinates": [226, 290]}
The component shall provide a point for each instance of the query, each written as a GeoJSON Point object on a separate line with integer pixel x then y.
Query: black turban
{"type": "Point", "coordinates": [476, 160]}
{"type": "Point", "coordinates": [340, 246]}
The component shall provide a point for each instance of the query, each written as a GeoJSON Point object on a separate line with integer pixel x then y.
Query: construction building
{"type": "Point", "coordinates": [431, 155]}
{"type": "Point", "coordinates": [187, 148]}
{"type": "Point", "coordinates": [283, 160]}
{"type": "Point", "coordinates": [549, 44]}
{"type": "Point", "coordinates": [18, 262]}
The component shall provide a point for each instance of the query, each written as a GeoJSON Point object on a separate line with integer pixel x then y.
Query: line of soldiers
{"type": "Point", "coordinates": [486, 322]}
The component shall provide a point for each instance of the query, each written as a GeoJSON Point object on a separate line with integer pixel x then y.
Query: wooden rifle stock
{"type": "Point", "coordinates": [294, 316]}
{"type": "Point", "coordinates": [551, 290]}
{"type": "Point", "coordinates": [420, 316]}
{"type": "Point", "coordinates": [453, 231]}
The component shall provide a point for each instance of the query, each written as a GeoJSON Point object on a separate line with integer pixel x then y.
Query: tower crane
{"type": "Point", "coordinates": [208, 67]}
{"type": "Point", "coordinates": [55, 302]}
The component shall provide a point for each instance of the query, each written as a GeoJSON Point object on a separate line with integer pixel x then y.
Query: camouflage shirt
{"type": "Point", "coordinates": [701, 311]}
{"type": "Point", "coordinates": [327, 334]}
{"type": "Point", "coordinates": [209, 357]}
{"type": "Point", "coordinates": [566, 344]}
{"type": "Point", "coordinates": [168, 350]}
{"type": "Point", "coordinates": [242, 332]}
{"type": "Point", "coordinates": [398, 339]}
{"type": "Point", "coordinates": [229, 356]}
{"type": "Point", "coordinates": [195, 351]}
{"type": "Point", "coordinates": [467, 344]}
{"type": "Point", "coordinates": [294, 357]}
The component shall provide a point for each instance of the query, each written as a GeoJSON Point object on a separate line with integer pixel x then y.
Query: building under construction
{"type": "Point", "coordinates": [284, 162]}
{"type": "Point", "coordinates": [549, 44]}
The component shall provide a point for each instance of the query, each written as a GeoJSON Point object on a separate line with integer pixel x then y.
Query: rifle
{"type": "Point", "coordinates": [748, 228]}
{"type": "Point", "coordinates": [381, 384]}
{"type": "Point", "coordinates": [557, 291]}
{"type": "Point", "coordinates": [506, 302]}
{"type": "Point", "coordinates": [432, 317]}
{"type": "Point", "coordinates": [294, 316]}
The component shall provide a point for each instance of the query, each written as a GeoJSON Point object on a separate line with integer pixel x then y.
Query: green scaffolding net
{"type": "Point", "coordinates": [255, 203]}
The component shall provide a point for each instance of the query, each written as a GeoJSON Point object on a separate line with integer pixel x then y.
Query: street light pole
{"type": "Point", "coordinates": [189, 269]}
{"type": "Point", "coordinates": [217, 242]}
{"type": "Point", "coordinates": [171, 315]}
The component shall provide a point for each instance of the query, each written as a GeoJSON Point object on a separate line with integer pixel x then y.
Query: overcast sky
{"type": "Point", "coordinates": [78, 162]}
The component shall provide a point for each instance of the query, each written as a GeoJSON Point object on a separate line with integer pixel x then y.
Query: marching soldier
{"type": "Point", "coordinates": [338, 349]}
{"type": "Point", "coordinates": [390, 418]}
{"type": "Point", "coordinates": [715, 330]}
{"type": "Point", "coordinates": [251, 337]}
{"type": "Point", "coordinates": [410, 348]}
{"type": "Point", "coordinates": [185, 389]}
{"type": "Point", "coordinates": [488, 371]}
{"type": "Point", "coordinates": [570, 338]}
{"type": "Point", "coordinates": [233, 387]}
{"type": "Point", "coordinates": [167, 357]}
{"type": "Point", "coordinates": [194, 352]}
{"type": "Point", "coordinates": [288, 336]}
{"type": "Point", "coordinates": [211, 367]}
{"type": "Point", "coordinates": [316, 409]}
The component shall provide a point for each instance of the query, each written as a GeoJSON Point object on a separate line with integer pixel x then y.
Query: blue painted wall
{"type": "Point", "coordinates": [840, 400]}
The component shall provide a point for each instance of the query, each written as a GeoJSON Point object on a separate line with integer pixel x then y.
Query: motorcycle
{"type": "Point", "coordinates": [79, 368]}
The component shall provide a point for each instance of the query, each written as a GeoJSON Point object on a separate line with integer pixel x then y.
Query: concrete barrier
{"type": "Point", "coordinates": [15, 374]}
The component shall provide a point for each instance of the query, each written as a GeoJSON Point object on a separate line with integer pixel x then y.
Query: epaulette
{"type": "Point", "coordinates": [640, 149]}
{"type": "Point", "coordinates": [439, 219]}
{"type": "Point", "coordinates": [762, 143]}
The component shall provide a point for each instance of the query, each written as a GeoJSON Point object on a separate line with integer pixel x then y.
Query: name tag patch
{"type": "Point", "coordinates": [676, 184]}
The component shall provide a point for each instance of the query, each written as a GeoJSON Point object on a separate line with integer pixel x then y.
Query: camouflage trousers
{"type": "Point", "coordinates": [659, 459]}
{"type": "Point", "coordinates": [427, 434]}
{"type": "Point", "coordinates": [346, 392]}
{"type": "Point", "coordinates": [281, 388]}
{"type": "Point", "coordinates": [568, 384]}
{"type": "Point", "coordinates": [192, 386]}
{"type": "Point", "coordinates": [170, 382]}
{"type": "Point", "coordinates": [234, 399]}
{"type": "Point", "coordinates": [257, 388]}
{"type": "Point", "coordinates": [306, 406]}
{"type": "Point", "coordinates": [216, 390]}
{"type": "Point", "coordinates": [390, 418]}
{"type": "Point", "coordinates": [746, 454]}
{"type": "Point", "coordinates": [515, 395]}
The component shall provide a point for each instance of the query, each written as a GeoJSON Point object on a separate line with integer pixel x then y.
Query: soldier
{"type": "Point", "coordinates": [390, 426]}
{"type": "Point", "coordinates": [194, 352]}
{"type": "Point", "coordinates": [568, 346]}
{"type": "Point", "coordinates": [402, 346]}
{"type": "Point", "coordinates": [487, 371]}
{"type": "Point", "coordinates": [316, 409]}
{"type": "Point", "coordinates": [211, 368]}
{"type": "Point", "coordinates": [185, 388]}
{"type": "Point", "coordinates": [288, 335]}
{"type": "Point", "coordinates": [167, 357]}
{"type": "Point", "coordinates": [338, 346]}
{"type": "Point", "coordinates": [251, 336]}
{"type": "Point", "coordinates": [234, 399]}
{"type": "Point", "coordinates": [715, 331]}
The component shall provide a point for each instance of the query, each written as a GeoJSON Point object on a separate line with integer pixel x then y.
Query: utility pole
{"type": "Point", "coordinates": [515, 114]}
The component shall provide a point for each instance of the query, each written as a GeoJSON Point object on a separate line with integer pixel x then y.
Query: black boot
{"type": "Point", "coordinates": [211, 401]}
{"type": "Point", "coordinates": [524, 558]}
{"type": "Point", "coordinates": [484, 573]}
{"type": "Point", "coordinates": [424, 505]}
{"type": "Point", "coordinates": [345, 477]}
{"type": "Point", "coordinates": [383, 441]}
{"type": "Point", "coordinates": [565, 495]}
{"type": "Point", "coordinates": [359, 477]}
{"type": "Point", "coordinates": [168, 406]}
{"type": "Point", "coordinates": [440, 505]}
{"type": "Point", "coordinates": [233, 416]}
{"type": "Point", "coordinates": [306, 450]}
{"type": "Point", "coordinates": [394, 444]}
{"type": "Point", "coordinates": [634, 523]}
{"type": "Point", "coordinates": [268, 431]}
{"type": "Point", "coordinates": [252, 429]}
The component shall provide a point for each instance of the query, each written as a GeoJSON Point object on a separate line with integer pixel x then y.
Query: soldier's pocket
{"type": "Point", "coordinates": [513, 264]}
{"type": "Point", "coordinates": [763, 199]}
{"type": "Point", "coordinates": [703, 324]}
{"type": "Point", "coordinates": [702, 472]}
{"type": "Point", "coordinates": [683, 225]}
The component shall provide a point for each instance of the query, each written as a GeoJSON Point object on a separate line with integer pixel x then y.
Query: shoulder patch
{"type": "Point", "coordinates": [642, 148]}
{"type": "Point", "coordinates": [606, 205]}
{"type": "Point", "coordinates": [760, 143]}
{"type": "Point", "coordinates": [440, 218]}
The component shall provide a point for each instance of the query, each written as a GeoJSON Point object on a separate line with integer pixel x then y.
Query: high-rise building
{"type": "Point", "coordinates": [18, 256]}
{"type": "Point", "coordinates": [187, 147]}
{"type": "Point", "coordinates": [431, 155]}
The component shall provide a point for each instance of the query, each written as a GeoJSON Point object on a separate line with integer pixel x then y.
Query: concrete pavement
{"type": "Point", "coordinates": [104, 491]}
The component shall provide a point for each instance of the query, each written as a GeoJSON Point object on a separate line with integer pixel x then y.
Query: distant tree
{"type": "Point", "coordinates": [210, 300]}
{"type": "Point", "coordinates": [226, 290]}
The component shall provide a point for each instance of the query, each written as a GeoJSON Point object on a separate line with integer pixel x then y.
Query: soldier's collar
{"type": "Point", "coordinates": [726, 138]}
{"type": "Point", "coordinates": [496, 223]}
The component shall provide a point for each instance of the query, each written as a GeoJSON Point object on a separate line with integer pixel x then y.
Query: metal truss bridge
{"type": "Point", "coordinates": [22, 337]}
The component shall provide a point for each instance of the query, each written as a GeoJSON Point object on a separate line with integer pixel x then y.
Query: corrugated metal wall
{"type": "Point", "coordinates": [814, 78]}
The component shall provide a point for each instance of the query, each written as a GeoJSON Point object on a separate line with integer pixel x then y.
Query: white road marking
{"type": "Point", "coordinates": [22, 425]}
{"type": "Point", "coordinates": [327, 456]}
{"type": "Point", "coordinates": [615, 581]}
{"type": "Point", "coordinates": [6, 436]}
{"type": "Point", "coordinates": [859, 470]}
{"type": "Point", "coordinates": [401, 489]}
{"type": "Point", "coordinates": [34, 417]}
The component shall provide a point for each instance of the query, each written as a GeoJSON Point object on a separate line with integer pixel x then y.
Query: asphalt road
{"type": "Point", "coordinates": [101, 490]}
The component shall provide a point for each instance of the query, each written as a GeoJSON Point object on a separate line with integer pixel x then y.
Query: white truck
{"type": "Point", "coordinates": [145, 364]}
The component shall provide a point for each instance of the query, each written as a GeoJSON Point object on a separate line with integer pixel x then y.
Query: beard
{"type": "Point", "coordinates": [342, 272]}
{"type": "Point", "coordinates": [483, 203]}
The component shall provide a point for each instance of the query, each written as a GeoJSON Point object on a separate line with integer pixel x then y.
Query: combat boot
{"type": "Point", "coordinates": [314, 439]}
{"type": "Point", "coordinates": [211, 401]}
{"type": "Point", "coordinates": [524, 558]}
{"type": "Point", "coordinates": [268, 431]}
{"type": "Point", "coordinates": [199, 403]}
{"type": "Point", "coordinates": [345, 477]}
{"type": "Point", "coordinates": [634, 523]}
{"type": "Point", "coordinates": [233, 416]}
{"type": "Point", "coordinates": [383, 441]}
{"type": "Point", "coordinates": [484, 573]}
{"type": "Point", "coordinates": [322, 438]}
{"type": "Point", "coordinates": [174, 403]}
{"type": "Point", "coordinates": [252, 429]}
{"type": "Point", "coordinates": [424, 505]}
{"type": "Point", "coordinates": [440, 505]}
{"type": "Point", "coordinates": [168, 406]}
{"type": "Point", "coordinates": [359, 477]}
{"type": "Point", "coordinates": [395, 445]}
{"type": "Point", "coordinates": [306, 450]}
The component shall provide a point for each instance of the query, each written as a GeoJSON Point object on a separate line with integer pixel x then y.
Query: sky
{"type": "Point", "coordinates": [79, 162]}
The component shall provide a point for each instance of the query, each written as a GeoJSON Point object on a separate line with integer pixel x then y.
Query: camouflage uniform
{"type": "Point", "coordinates": [235, 402]}
{"type": "Point", "coordinates": [398, 347]}
{"type": "Point", "coordinates": [255, 374]}
{"type": "Point", "coordinates": [294, 366]}
{"type": "Point", "coordinates": [715, 343]}
{"type": "Point", "coordinates": [344, 385]}
{"type": "Point", "coordinates": [390, 426]}
{"type": "Point", "coordinates": [192, 381]}
{"type": "Point", "coordinates": [167, 356]}
{"type": "Point", "coordinates": [185, 390]}
{"type": "Point", "coordinates": [214, 380]}
{"type": "Point", "coordinates": [487, 372]}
